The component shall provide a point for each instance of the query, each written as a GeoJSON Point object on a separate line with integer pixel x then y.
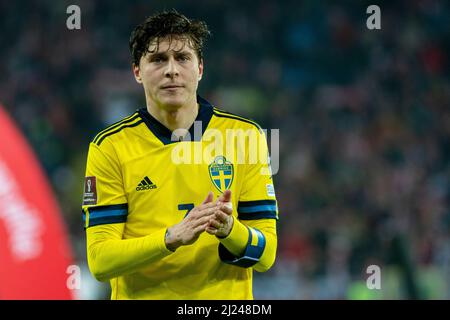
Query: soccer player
{"type": "Point", "coordinates": [164, 220]}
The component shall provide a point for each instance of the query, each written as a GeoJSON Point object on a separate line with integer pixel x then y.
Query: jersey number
{"type": "Point", "coordinates": [186, 206]}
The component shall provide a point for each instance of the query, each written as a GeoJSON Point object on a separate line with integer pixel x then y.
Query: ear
{"type": "Point", "coordinates": [200, 70]}
{"type": "Point", "coordinates": [137, 73]}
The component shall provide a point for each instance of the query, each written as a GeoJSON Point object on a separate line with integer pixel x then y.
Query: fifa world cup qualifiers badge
{"type": "Point", "coordinates": [90, 191]}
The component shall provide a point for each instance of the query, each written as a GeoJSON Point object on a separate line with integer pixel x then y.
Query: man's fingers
{"type": "Point", "coordinates": [211, 231]}
{"type": "Point", "coordinates": [226, 196]}
{"type": "Point", "coordinates": [202, 210]}
{"type": "Point", "coordinates": [201, 220]}
{"type": "Point", "coordinates": [226, 209]}
{"type": "Point", "coordinates": [200, 228]}
{"type": "Point", "coordinates": [219, 220]}
{"type": "Point", "coordinates": [209, 198]}
{"type": "Point", "coordinates": [206, 206]}
{"type": "Point", "coordinates": [215, 224]}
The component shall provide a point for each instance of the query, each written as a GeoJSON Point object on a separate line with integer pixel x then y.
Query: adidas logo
{"type": "Point", "coordinates": [145, 184]}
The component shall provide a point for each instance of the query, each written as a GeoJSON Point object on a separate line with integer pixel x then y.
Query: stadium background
{"type": "Point", "coordinates": [363, 116]}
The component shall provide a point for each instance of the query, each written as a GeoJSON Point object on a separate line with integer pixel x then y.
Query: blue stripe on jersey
{"type": "Point", "coordinates": [107, 220]}
{"type": "Point", "coordinates": [256, 203]}
{"type": "Point", "coordinates": [257, 209]}
{"type": "Point", "coordinates": [258, 215]}
{"type": "Point", "coordinates": [251, 255]}
{"type": "Point", "coordinates": [260, 209]}
{"type": "Point", "coordinates": [106, 214]}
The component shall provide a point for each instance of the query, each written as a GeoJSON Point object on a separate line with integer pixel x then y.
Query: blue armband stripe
{"type": "Point", "coordinates": [106, 214]}
{"type": "Point", "coordinates": [257, 215]}
{"type": "Point", "coordinates": [252, 254]}
{"type": "Point", "coordinates": [257, 209]}
{"type": "Point", "coordinates": [256, 203]}
{"type": "Point", "coordinates": [107, 220]}
{"type": "Point", "coordinates": [260, 209]}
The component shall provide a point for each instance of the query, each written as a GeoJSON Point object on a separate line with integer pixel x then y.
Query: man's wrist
{"type": "Point", "coordinates": [237, 239]}
{"type": "Point", "coordinates": [229, 232]}
{"type": "Point", "coordinates": [169, 242]}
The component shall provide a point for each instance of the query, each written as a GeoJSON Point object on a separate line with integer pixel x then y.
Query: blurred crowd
{"type": "Point", "coordinates": [364, 120]}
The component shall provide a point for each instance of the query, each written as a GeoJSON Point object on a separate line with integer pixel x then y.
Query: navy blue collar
{"type": "Point", "coordinates": [204, 115]}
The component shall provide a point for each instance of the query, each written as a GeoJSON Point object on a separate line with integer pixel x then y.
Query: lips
{"type": "Point", "coordinates": [171, 86]}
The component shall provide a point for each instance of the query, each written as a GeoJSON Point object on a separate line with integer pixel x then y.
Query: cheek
{"type": "Point", "coordinates": [194, 76]}
{"type": "Point", "coordinates": [149, 76]}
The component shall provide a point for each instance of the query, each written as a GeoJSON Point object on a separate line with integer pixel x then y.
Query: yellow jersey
{"type": "Point", "coordinates": [140, 180]}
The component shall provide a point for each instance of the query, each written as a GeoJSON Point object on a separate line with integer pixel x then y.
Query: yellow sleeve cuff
{"type": "Point", "coordinates": [161, 241]}
{"type": "Point", "coordinates": [237, 240]}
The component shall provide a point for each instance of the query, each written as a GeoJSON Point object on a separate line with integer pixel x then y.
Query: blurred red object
{"type": "Point", "coordinates": [34, 249]}
{"type": "Point", "coordinates": [433, 59]}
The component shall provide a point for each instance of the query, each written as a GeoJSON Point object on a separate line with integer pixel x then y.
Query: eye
{"type": "Point", "coordinates": [157, 59]}
{"type": "Point", "coordinates": [183, 58]}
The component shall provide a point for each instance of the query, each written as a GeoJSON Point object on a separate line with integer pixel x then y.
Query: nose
{"type": "Point", "coordinates": [171, 69]}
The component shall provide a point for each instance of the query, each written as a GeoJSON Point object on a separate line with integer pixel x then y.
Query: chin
{"type": "Point", "coordinates": [173, 104]}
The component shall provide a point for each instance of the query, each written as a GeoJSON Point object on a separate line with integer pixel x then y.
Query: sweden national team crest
{"type": "Point", "coordinates": [221, 173]}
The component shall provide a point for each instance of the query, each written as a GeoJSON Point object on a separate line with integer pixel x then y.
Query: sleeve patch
{"type": "Point", "coordinates": [270, 190]}
{"type": "Point", "coordinates": [90, 191]}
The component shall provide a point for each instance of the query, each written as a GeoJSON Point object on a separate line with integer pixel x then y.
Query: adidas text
{"type": "Point", "coordinates": [141, 188]}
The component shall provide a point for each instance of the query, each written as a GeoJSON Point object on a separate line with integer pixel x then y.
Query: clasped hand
{"type": "Point", "coordinates": [214, 217]}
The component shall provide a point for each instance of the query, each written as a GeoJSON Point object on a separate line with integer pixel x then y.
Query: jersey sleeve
{"type": "Point", "coordinates": [253, 239]}
{"type": "Point", "coordinates": [105, 212]}
{"type": "Point", "coordinates": [104, 199]}
{"type": "Point", "coordinates": [257, 198]}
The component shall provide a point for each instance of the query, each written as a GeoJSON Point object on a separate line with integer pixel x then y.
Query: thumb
{"type": "Point", "coordinates": [209, 198]}
{"type": "Point", "coordinates": [226, 196]}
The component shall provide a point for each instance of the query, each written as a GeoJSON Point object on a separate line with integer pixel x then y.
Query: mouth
{"type": "Point", "coordinates": [171, 86]}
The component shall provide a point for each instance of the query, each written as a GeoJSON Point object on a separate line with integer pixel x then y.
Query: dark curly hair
{"type": "Point", "coordinates": [167, 24]}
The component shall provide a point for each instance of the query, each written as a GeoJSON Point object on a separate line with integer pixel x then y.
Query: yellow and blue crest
{"type": "Point", "coordinates": [221, 173]}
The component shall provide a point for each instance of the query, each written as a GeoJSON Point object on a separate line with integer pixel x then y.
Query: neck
{"type": "Point", "coordinates": [176, 118]}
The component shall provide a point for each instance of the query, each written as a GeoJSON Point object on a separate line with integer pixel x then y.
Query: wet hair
{"type": "Point", "coordinates": [169, 24]}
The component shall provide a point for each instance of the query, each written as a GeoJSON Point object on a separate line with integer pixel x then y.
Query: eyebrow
{"type": "Point", "coordinates": [157, 55]}
{"type": "Point", "coordinates": [164, 54]}
{"type": "Point", "coordinates": [183, 52]}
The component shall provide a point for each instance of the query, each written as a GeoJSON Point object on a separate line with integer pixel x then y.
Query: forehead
{"type": "Point", "coordinates": [170, 43]}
